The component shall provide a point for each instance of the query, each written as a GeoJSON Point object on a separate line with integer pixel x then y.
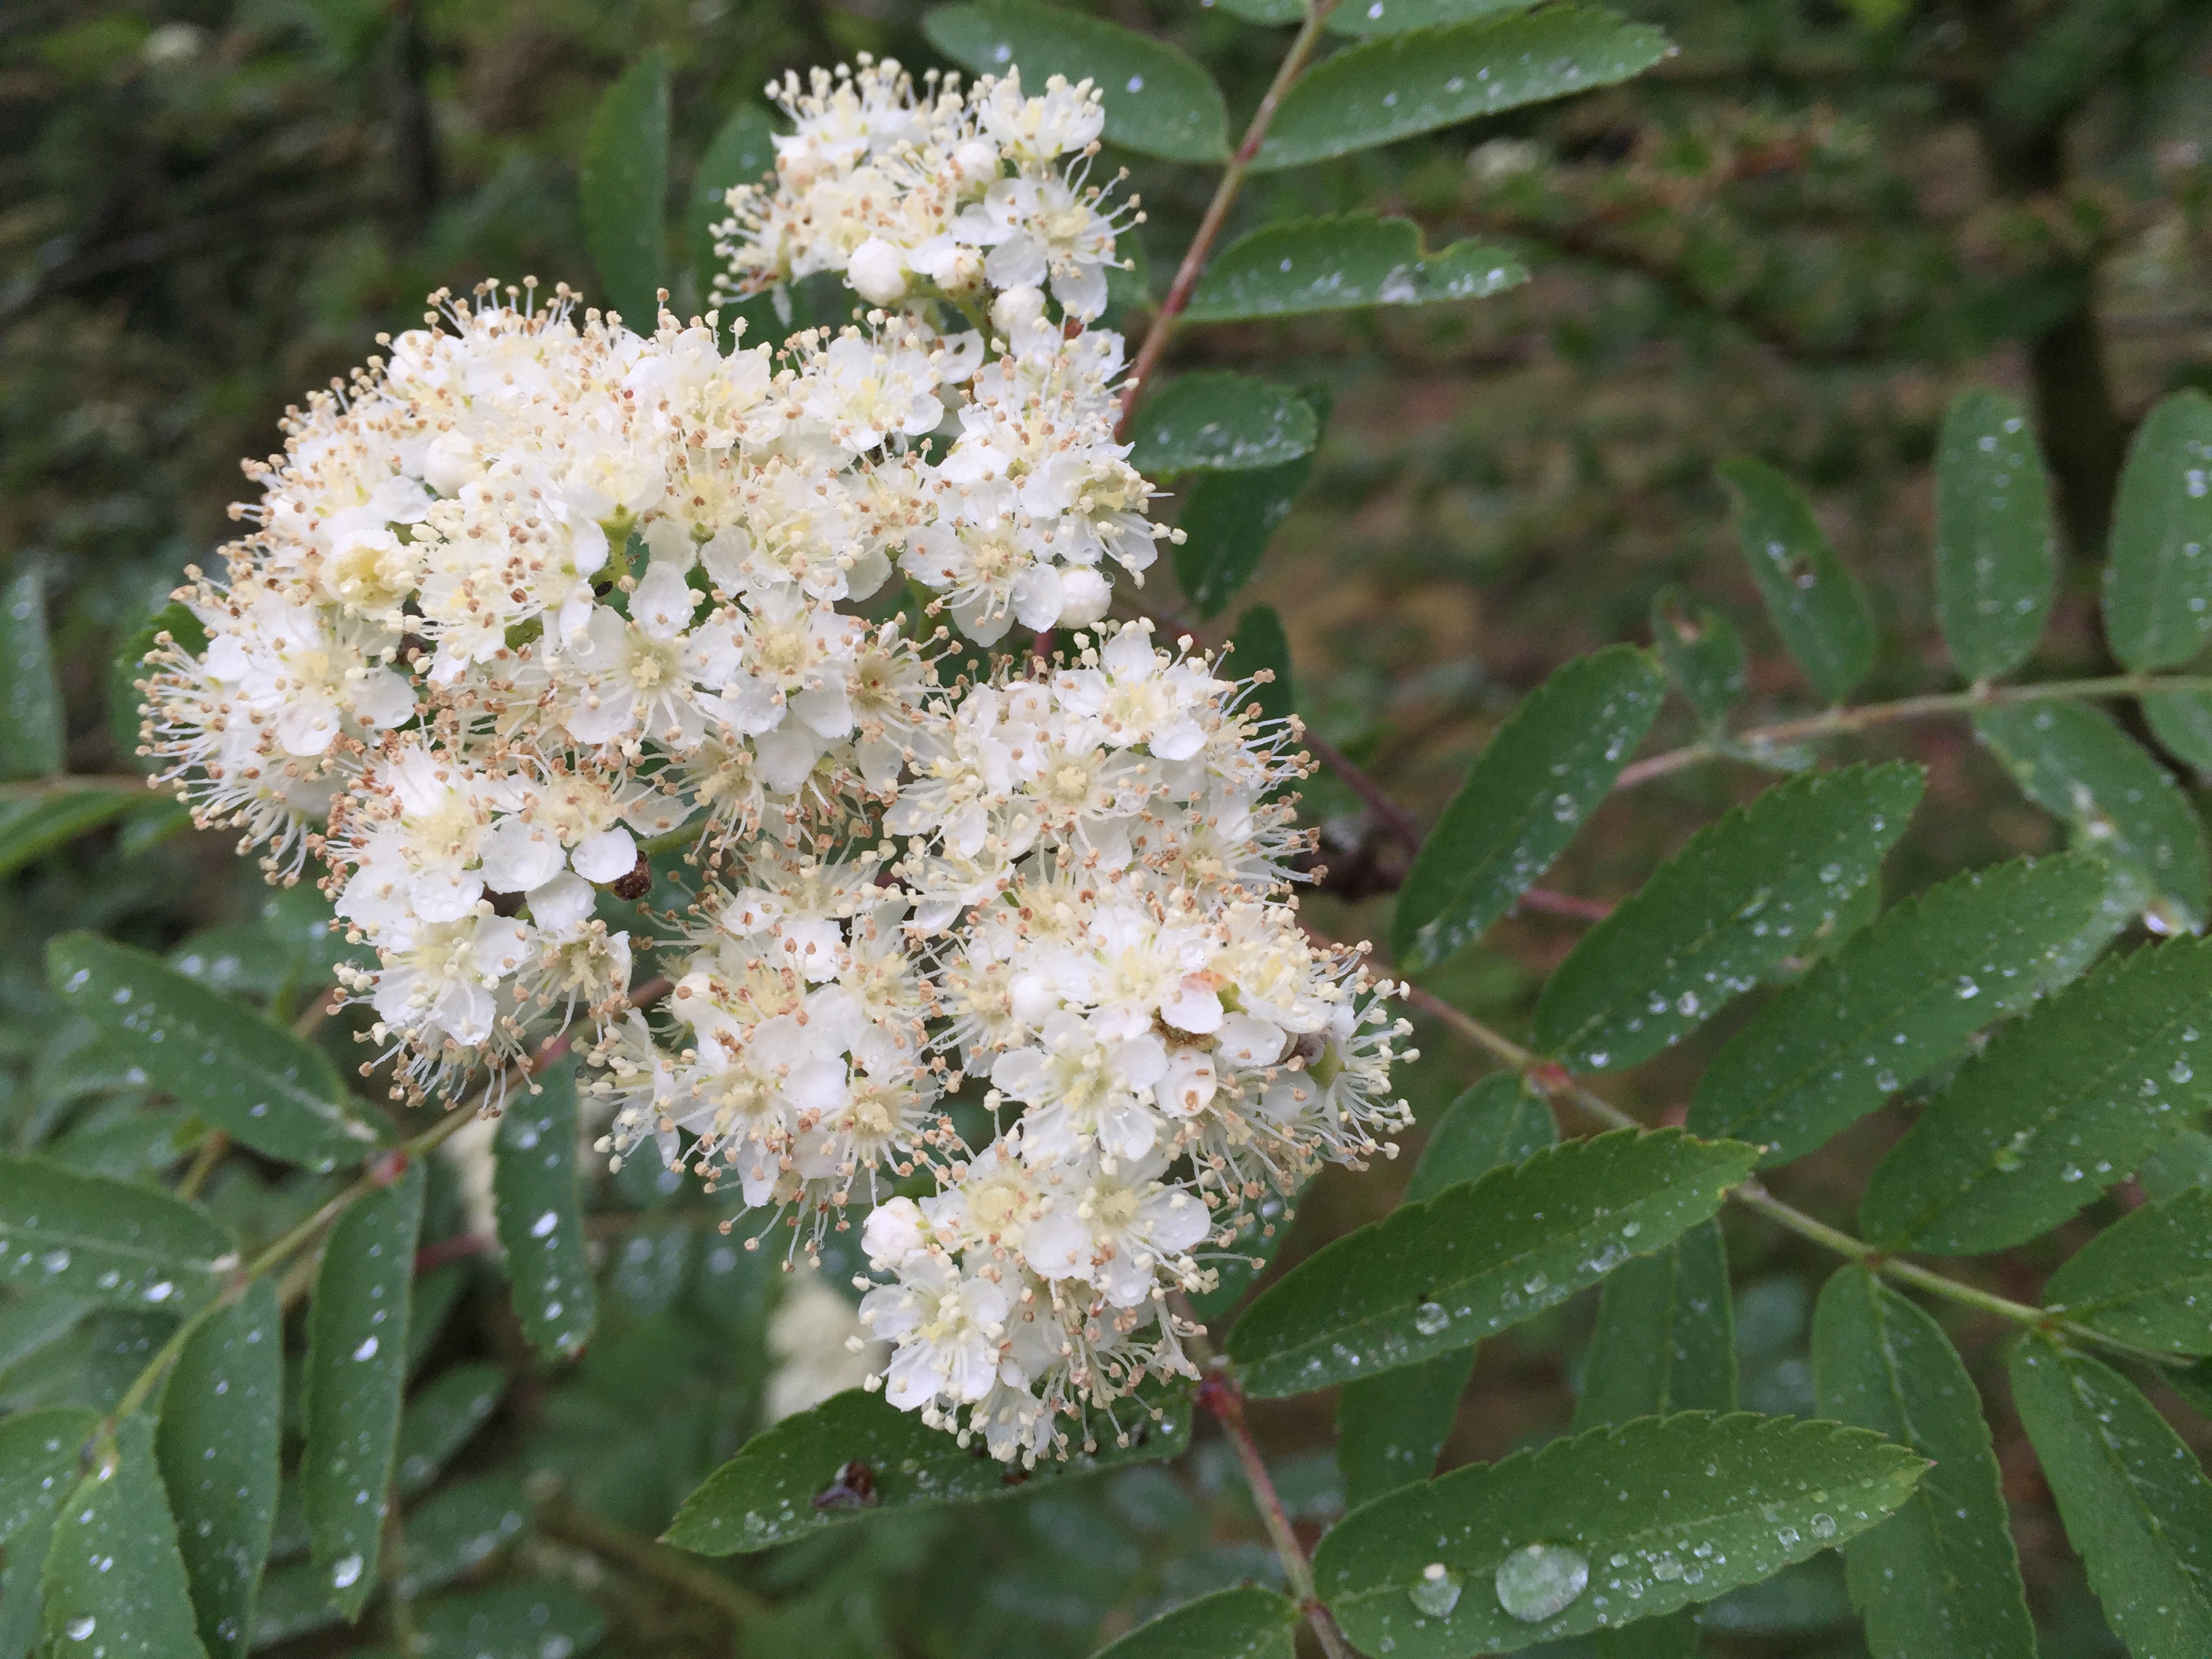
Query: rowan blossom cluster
{"type": "Point", "coordinates": [993, 954]}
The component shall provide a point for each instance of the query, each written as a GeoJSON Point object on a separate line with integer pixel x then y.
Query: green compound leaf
{"type": "Point", "coordinates": [624, 186]}
{"type": "Point", "coordinates": [1896, 1001]}
{"type": "Point", "coordinates": [34, 734]}
{"type": "Point", "coordinates": [1367, 17]}
{"type": "Point", "coordinates": [114, 1582]}
{"type": "Point", "coordinates": [1997, 545]}
{"type": "Point", "coordinates": [2135, 1504]}
{"type": "Point", "coordinates": [220, 1432]}
{"type": "Point", "coordinates": [1245, 1623]}
{"type": "Point", "coordinates": [2157, 580]}
{"type": "Point", "coordinates": [439, 1420]}
{"type": "Point", "coordinates": [2147, 1279]}
{"type": "Point", "coordinates": [1344, 264]}
{"type": "Point", "coordinates": [1702, 653]}
{"type": "Point", "coordinates": [534, 1620]}
{"type": "Point", "coordinates": [2182, 720]}
{"type": "Point", "coordinates": [1390, 1428]}
{"type": "Point", "coordinates": [115, 1243]}
{"type": "Point", "coordinates": [1817, 604]}
{"type": "Point", "coordinates": [1159, 102]}
{"type": "Point", "coordinates": [243, 1073]}
{"type": "Point", "coordinates": [2062, 1102]}
{"type": "Point", "coordinates": [1383, 90]}
{"type": "Point", "coordinates": [743, 152]}
{"type": "Point", "coordinates": [2076, 762]}
{"type": "Point", "coordinates": [1940, 1578]}
{"type": "Point", "coordinates": [1435, 1277]}
{"type": "Point", "coordinates": [1747, 892]}
{"type": "Point", "coordinates": [1219, 422]}
{"type": "Point", "coordinates": [357, 1357]}
{"type": "Point", "coordinates": [1227, 521]}
{"type": "Point", "coordinates": [1665, 1341]}
{"type": "Point", "coordinates": [1543, 771]}
{"type": "Point", "coordinates": [785, 1483]}
{"type": "Point", "coordinates": [540, 1215]}
{"type": "Point", "coordinates": [1697, 1505]}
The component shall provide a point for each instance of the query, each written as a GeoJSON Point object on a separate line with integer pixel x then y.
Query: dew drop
{"type": "Point", "coordinates": [544, 1223]}
{"type": "Point", "coordinates": [1429, 1319]}
{"type": "Point", "coordinates": [368, 1349]}
{"type": "Point", "coordinates": [77, 1629]}
{"type": "Point", "coordinates": [1824, 1526]}
{"type": "Point", "coordinates": [1438, 1593]}
{"type": "Point", "coordinates": [1541, 1580]}
{"type": "Point", "coordinates": [345, 1573]}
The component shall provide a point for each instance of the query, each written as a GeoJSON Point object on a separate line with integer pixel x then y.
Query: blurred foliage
{"type": "Point", "coordinates": [1795, 239]}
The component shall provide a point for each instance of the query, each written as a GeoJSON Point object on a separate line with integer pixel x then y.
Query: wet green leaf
{"type": "Point", "coordinates": [1996, 546]}
{"type": "Point", "coordinates": [1544, 771]}
{"type": "Point", "coordinates": [2137, 1505]}
{"type": "Point", "coordinates": [458, 1528]}
{"type": "Point", "coordinates": [1940, 1578]}
{"type": "Point", "coordinates": [2157, 580]}
{"type": "Point", "coordinates": [2148, 1278]}
{"type": "Point", "coordinates": [115, 1243]}
{"type": "Point", "coordinates": [1358, 259]}
{"type": "Point", "coordinates": [439, 1420]}
{"type": "Point", "coordinates": [2179, 1165]}
{"type": "Point", "coordinates": [532, 1620]}
{"type": "Point", "coordinates": [38, 1466]}
{"type": "Point", "coordinates": [1895, 1002]}
{"type": "Point", "coordinates": [743, 152]}
{"type": "Point", "coordinates": [241, 1071]}
{"type": "Point", "coordinates": [1702, 653]}
{"type": "Point", "coordinates": [1159, 102]}
{"type": "Point", "coordinates": [1227, 521]}
{"type": "Point", "coordinates": [1433, 1278]}
{"type": "Point", "coordinates": [2063, 1101]}
{"type": "Point", "coordinates": [625, 184]}
{"type": "Point", "coordinates": [539, 1206]}
{"type": "Point", "coordinates": [1382, 90]}
{"type": "Point", "coordinates": [2182, 720]}
{"type": "Point", "coordinates": [1363, 17]}
{"type": "Point", "coordinates": [114, 1582]}
{"type": "Point", "coordinates": [1817, 604]}
{"type": "Point", "coordinates": [34, 729]}
{"type": "Point", "coordinates": [2076, 762]}
{"type": "Point", "coordinates": [29, 829]}
{"type": "Point", "coordinates": [1220, 422]}
{"type": "Point", "coordinates": [1261, 644]}
{"type": "Point", "coordinates": [1248, 1622]}
{"type": "Point", "coordinates": [356, 1356]}
{"type": "Point", "coordinates": [1665, 1341]}
{"type": "Point", "coordinates": [1697, 1504]}
{"type": "Point", "coordinates": [1745, 893]}
{"type": "Point", "coordinates": [217, 1443]}
{"type": "Point", "coordinates": [768, 1493]}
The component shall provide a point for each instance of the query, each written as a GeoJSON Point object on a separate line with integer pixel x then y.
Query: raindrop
{"type": "Point", "coordinates": [1967, 989]}
{"type": "Point", "coordinates": [544, 1223]}
{"type": "Point", "coordinates": [1438, 1593]}
{"type": "Point", "coordinates": [1886, 1081]}
{"type": "Point", "coordinates": [1541, 1580]}
{"type": "Point", "coordinates": [345, 1573]}
{"type": "Point", "coordinates": [1429, 1319]}
{"type": "Point", "coordinates": [368, 1349]}
{"type": "Point", "coordinates": [1786, 1536]}
{"type": "Point", "coordinates": [77, 1629]}
{"type": "Point", "coordinates": [55, 1261]}
{"type": "Point", "coordinates": [1824, 1526]}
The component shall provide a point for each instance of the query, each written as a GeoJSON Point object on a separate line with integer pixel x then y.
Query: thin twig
{"type": "Point", "coordinates": [1220, 1394]}
{"type": "Point", "coordinates": [1216, 211]}
{"type": "Point", "coordinates": [204, 1159]}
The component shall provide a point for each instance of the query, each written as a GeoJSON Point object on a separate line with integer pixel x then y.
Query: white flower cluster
{"type": "Point", "coordinates": [1005, 957]}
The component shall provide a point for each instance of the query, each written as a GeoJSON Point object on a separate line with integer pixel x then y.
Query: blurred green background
{"type": "Point", "coordinates": [1796, 238]}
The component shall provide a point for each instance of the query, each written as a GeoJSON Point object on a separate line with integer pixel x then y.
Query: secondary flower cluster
{"type": "Point", "coordinates": [534, 598]}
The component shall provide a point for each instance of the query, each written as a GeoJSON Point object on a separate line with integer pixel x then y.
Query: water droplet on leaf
{"type": "Point", "coordinates": [1541, 1580]}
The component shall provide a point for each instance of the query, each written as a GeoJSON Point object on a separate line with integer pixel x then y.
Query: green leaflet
{"type": "Point", "coordinates": [1997, 545]}
{"type": "Point", "coordinates": [1702, 653]}
{"type": "Point", "coordinates": [112, 1578]}
{"type": "Point", "coordinates": [743, 152]}
{"type": "Point", "coordinates": [1360, 17]}
{"type": "Point", "coordinates": [1893, 1003]}
{"type": "Point", "coordinates": [1221, 422]}
{"type": "Point", "coordinates": [1745, 893]}
{"type": "Point", "coordinates": [1158, 101]}
{"type": "Point", "coordinates": [2076, 762]}
{"type": "Point", "coordinates": [1940, 1578]}
{"type": "Point", "coordinates": [1227, 521]}
{"type": "Point", "coordinates": [293, 1601]}
{"type": "Point", "coordinates": [241, 1071]}
{"type": "Point", "coordinates": [1524, 797]}
{"type": "Point", "coordinates": [539, 1209]}
{"type": "Point", "coordinates": [33, 735]}
{"type": "Point", "coordinates": [780, 1486]}
{"type": "Point", "coordinates": [439, 1420]}
{"type": "Point", "coordinates": [176, 620]}
{"type": "Point", "coordinates": [1261, 643]}
{"type": "Point", "coordinates": [2181, 1164]}
{"type": "Point", "coordinates": [1817, 604]}
{"type": "Point", "coordinates": [2148, 1278]}
{"type": "Point", "coordinates": [38, 1465]}
{"type": "Point", "coordinates": [1391, 88]}
{"type": "Point", "coordinates": [2158, 579]}
{"type": "Point", "coordinates": [29, 829]}
{"type": "Point", "coordinates": [1390, 1428]}
{"type": "Point", "coordinates": [1697, 1503]}
{"type": "Point", "coordinates": [2062, 1103]}
{"type": "Point", "coordinates": [217, 1443]}
{"type": "Point", "coordinates": [114, 1242]}
{"type": "Point", "coordinates": [2137, 1505]}
{"type": "Point", "coordinates": [1432, 1277]}
{"type": "Point", "coordinates": [1248, 1622]}
{"type": "Point", "coordinates": [2182, 721]}
{"type": "Point", "coordinates": [1358, 259]}
{"type": "Point", "coordinates": [356, 1355]}
{"type": "Point", "coordinates": [459, 1527]}
{"type": "Point", "coordinates": [532, 1620]}
{"type": "Point", "coordinates": [624, 186]}
{"type": "Point", "coordinates": [1666, 1335]}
